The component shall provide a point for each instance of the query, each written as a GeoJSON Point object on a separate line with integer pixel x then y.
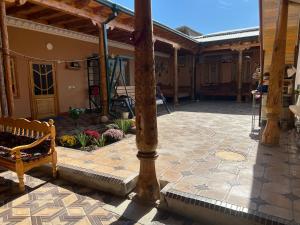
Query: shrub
{"type": "Point", "coordinates": [113, 135]}
{"type": "Point", "coordinates": [100, 142]}
{"type": "Point", "coordinates": [124, 125]}
{"type": "Point", "coordinates": [83, 139]}
{"type": "Point", "coordinates": [68, 140]}
{"type": "Point", "coordinates": [74, 113]}
{"type": "Point", "coordinates": [92, 134]}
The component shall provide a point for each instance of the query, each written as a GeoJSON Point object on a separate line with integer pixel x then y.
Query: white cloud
{"type": "Point", "coordinates": [224, 4]}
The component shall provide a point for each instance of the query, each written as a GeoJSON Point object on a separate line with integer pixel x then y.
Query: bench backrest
{"type": "Point", "coordinates": [121, 90]}
{"type": "Point", "coordinates": [24, 127]}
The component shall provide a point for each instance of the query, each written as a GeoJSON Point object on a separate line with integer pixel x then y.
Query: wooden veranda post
{"type": "Point", "coordinates": [148, 189]}
{"type": "Point", "coordinates": [103, 71]}
{"type": "Point", "coordinates": [175, 81]}
{"type": "Point", "coordinates": [3, 102]}
{"type": "Point", "coordinates": [6, 60]}
{"type": "Point", "coordinates": [239, 78]}
{"type": "Point", "coordinates": [271, 133]}
{"type": "Point", "coordinates": [194, 58]}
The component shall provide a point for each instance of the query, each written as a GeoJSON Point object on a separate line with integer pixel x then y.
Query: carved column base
{"type": "Point", "coordinates": [271, 134]}
{"type": "Point", "coordinates": [147, 189]}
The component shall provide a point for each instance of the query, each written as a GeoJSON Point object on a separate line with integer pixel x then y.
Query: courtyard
{"type": "Point", "coordinates": [206, 150]}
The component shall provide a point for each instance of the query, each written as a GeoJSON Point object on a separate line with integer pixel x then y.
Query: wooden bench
{"type": "Point", "coordinates": [26, 144]}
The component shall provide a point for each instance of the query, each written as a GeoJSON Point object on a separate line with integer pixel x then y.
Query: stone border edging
{"type": "Point", "coordinates": [211, 209]}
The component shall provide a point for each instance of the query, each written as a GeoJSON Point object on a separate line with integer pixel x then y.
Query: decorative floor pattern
{"type": "Point", "coordinates": [57, 202]}
{"type": "Point", "coordinates": [191, 141]}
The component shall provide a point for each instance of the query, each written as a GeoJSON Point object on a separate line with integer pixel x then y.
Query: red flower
{"type": "Point", "coordinates": [92, 133]}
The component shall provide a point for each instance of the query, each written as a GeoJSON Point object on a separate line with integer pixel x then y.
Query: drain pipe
{"type": "Point", "coordinates": [112, 16]}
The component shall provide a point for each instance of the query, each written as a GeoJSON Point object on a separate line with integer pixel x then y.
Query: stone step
{"type": "Point", "coordinates": [100, 181]}
{"type": "Point", "coordinates": [211, 212]}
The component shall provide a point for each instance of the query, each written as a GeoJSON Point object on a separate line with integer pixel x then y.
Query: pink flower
{"type": "Point", "coordinates": [113, 135]}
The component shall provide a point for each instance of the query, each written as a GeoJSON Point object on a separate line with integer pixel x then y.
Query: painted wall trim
{"type": "Point", "coordinates": [34, 26]}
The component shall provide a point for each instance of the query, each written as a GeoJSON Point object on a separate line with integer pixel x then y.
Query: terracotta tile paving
{"type": "Point", "coordinates": [57, 202]}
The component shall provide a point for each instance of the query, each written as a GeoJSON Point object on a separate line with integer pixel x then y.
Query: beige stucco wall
{"type": "Point", "coordinates": [33, 44]}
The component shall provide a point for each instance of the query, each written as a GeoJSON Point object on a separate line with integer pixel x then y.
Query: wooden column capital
{"type": "Point", "coordinates": [176, 47]}
{"type": "Point", "coordinates": [240, 47]}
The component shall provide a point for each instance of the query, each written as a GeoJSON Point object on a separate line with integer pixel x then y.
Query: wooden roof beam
{"type": "Point", "coordinates": [69, 9]}
{"type": "Point", "coordinates": [227, 47]}
{"type": "Point", "coordinates": [78, 23]}
{"type": "Point", "coordinates": [89, 30]}
{"type": "Point", "coordinates": [42, 13]}
{"type": "Point", "coordinates": [81, 3]}
{"type": "Point", "coordinates": [15, 9]}
{"type": "Point", "coordinates": [63, 19]}
{"type": "Point", "coordinates": [72, 10]}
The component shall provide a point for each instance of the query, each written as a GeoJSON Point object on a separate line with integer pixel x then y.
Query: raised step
{"type": "Point", "coordinates": [212, 212]}
{"type": "Point", "coordinates": [100, 181]}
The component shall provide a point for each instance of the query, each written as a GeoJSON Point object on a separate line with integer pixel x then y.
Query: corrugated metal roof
{"type": "Point", "coordinates": [228, 35]}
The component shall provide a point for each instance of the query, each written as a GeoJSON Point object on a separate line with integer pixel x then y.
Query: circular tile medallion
{"type": "Point", "coordinates": [230, 156]}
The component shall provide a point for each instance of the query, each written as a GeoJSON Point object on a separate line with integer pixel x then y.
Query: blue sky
{"type": "Point", "coordinates": [206, 16]}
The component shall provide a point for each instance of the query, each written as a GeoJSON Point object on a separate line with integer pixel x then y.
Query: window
{"type": "Point", "coordinates": [43, 79]}
{"type": "Point", "coordinates": [15, 87]}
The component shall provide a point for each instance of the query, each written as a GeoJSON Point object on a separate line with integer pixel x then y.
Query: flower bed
{"type": "Point", "coordinates": [91, 139]}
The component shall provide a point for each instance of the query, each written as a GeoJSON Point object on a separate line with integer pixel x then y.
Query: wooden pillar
{"type": "Point", "coordinates": [147, 189]}
{"type": "Point", "coordinates": [6, 60]}
{"type": "Point", "coordinates": [271, 133]}
{"type": "Point", "coordinates": [239, 77]}
{"type": "Point", "coordinates": [175, 81]}
{"type": "Point", "coordinates": [103, 69]}
{"type": "Point", "coordinates": [3, 101]}
{"type": "Point", "coordinates": [194, 58]}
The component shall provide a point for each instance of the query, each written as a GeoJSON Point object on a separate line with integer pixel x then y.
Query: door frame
{"type": "Point", "coordinates": [33, 106]}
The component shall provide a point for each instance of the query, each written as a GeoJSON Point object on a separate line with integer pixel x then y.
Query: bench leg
{"type": "Point", "coordinates": [54, 164]}
{"type": "Point", "coordinates": [20, 174]}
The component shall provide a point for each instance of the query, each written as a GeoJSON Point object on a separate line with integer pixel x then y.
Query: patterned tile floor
{"type": "Point", "coordinates": [206, 149]}
{"type": "Point", "coordinates": [57, 202]}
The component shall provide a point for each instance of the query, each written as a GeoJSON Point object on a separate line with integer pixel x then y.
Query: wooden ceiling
{"type": "Point", "coordinates": [82, 15]}
{"type": "Point", "coordinates": [269, 19]}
